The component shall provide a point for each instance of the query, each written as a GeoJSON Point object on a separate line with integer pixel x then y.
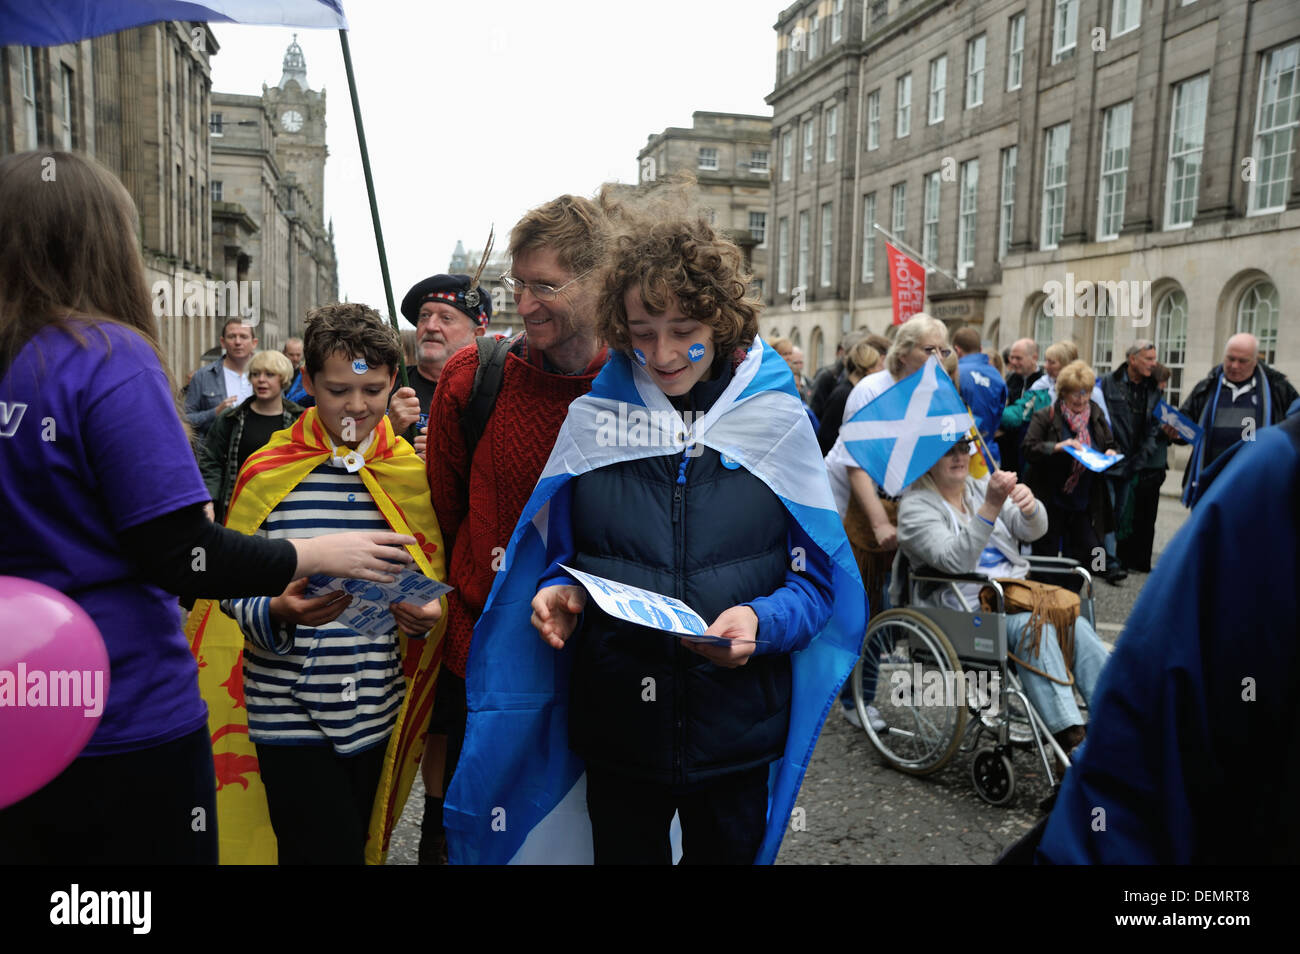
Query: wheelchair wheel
{"type": "Point", "coordinates": [993, 776]}
{"type": "Point", "coordinates": [910, 673]}
{"type": "Point", "coordinates": [1020, 731]}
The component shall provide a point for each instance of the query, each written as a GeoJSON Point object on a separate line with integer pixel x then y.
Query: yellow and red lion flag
{"type": "Point", "coordinates": [395, 478]}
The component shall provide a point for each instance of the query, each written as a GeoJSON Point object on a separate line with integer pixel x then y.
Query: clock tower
{"type": "Point", "coordinates": [298, 113]}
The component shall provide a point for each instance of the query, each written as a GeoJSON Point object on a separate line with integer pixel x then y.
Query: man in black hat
{"type": "Point", "coordinates": [448, 313]}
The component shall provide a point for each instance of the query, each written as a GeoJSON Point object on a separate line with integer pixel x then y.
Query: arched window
{"type": "Point", "coordinates": [1044, 327]}
{"type": "Point", "coordinates": [795, 339]}
{"type": "Point", "coordinates": [1257, 314]}
{"type": "Point", "coordinates": [1171, 341]}
{"type": "Point", "coordinates": [815, 355]}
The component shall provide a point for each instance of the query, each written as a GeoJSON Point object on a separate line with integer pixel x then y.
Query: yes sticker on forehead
{"type": "Point", "coordinates": [359, 366]}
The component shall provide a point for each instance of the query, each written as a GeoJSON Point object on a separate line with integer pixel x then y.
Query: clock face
{"type": "Point", "coordinates": [291, 120]}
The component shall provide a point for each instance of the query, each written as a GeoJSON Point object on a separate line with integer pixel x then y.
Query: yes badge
{"type": "Point", "coordinates": [640, 356]}
{"type": "Point", "coordinates": [359, 366]}
{"type": "Point", "coordinates": [695, 352]}
{"type": "Point", "coordinates": [729, 462]}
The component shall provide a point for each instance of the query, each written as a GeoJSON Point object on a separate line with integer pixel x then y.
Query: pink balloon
{"type": "Point", "coordinates": [53, 684]}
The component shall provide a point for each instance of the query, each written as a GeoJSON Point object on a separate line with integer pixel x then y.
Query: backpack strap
{"type": "Point", "coordinates": [487, 385]}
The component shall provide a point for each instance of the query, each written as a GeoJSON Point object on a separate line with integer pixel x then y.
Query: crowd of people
{"type": "Point", "coordinates": [313, 460]}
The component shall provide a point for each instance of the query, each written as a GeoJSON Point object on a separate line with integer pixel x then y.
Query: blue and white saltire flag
{"type": "Point", "coordinates": [900, 435]}
{"type": "Point", "coordinates": [1180, 422]}
{"type": "Point", "coordinates": [1094, 459]}
{"type": "Point", "coordinates": [53, 22]}
{"type": "Point", "coordinates": [519, 794]}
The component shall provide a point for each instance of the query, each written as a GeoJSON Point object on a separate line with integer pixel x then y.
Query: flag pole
{"type": "Point", "coordinates": [899, 243]}
{"type": "Point", "coordinates": [370, 191]}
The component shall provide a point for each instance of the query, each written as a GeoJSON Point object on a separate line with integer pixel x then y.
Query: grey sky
{"type": "Point", "coordinates": [476, 111]}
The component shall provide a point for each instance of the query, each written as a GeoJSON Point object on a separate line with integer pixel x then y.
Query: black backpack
{"type": "Point", "coordinates": [487, 385]}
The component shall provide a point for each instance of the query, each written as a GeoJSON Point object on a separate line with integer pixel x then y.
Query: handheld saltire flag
{"type": "Point", "coordinates": [1180, 422]}
{"type": "Point", "coordinates": [53, 22]}
{"type": "Point", "coordinates": [518, 794]}
{"type": "Point", "coordinates": [898, 437]}
{"type": "Point", "coordinates": [396, 480]}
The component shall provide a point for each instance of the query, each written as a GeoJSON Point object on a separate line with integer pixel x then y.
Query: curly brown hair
{"type": "Point", "coordinates": [682, 262]}
{"type": "Point", "coordinates": [354, 329]}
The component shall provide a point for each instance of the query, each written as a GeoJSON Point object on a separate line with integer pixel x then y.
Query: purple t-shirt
{"type": "Point", "coordinates": [99, 449]}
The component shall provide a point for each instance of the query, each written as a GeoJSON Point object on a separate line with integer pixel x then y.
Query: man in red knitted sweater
{"type": "Point", "coordinates": [555, 249]}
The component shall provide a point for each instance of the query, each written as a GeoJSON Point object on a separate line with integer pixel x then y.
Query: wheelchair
{"type": "Point", "coordinates": [943, 682]}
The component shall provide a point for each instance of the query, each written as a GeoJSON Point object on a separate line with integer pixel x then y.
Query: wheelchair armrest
{"type": "Point", "coordinates": [931, 576]}
{"type": "Point", "coordinates": [1046, 562]}
{"type": "Point", "coordinates": [1061, 566]}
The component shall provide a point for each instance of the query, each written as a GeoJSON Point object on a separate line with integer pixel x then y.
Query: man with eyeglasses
{"type": "Point", "coordinates": [479, 493]}
{"type": "Point", "coordinates": [448, 314]}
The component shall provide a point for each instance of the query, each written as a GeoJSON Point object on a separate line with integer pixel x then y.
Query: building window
{"type": "Point", "coordinates": [783, 255]}
{"type": "Point", "coordinates": [832, 131]}
{"type": "Point", "coordinates": [758, 227]}
{"type": "Point", "coordinates": [826, 245]}
{"type": "Point", "coordinates": [1186, 140]}
{"type": "Point", "coordinates": [1007, 200]}
{"type": "Point", "coordinates": [1116, 127]}
{"type": "Point", "coordinates": [808, 135]}
{"type": "Point", "coordinates": [873, 120]}
{"type": "Point", "coordinates": [869, 238]}
{"type": "Point", "coordinates": [758, 161]}
{"type": "Point", "coordinates": [217, 190]}
{"type": "Point", "coordinates": [787, 155]}
{"type": "Point", "coordinates": [900, 211]}
{"type": "Point", "coordinates": [1171, 341]}
{"type": "Point", "coordinates": [975, 71]}
{"type": "Point", "coordinates": [29, 97]}
{"type": "Point", "coordinates": [1257, 314]}
{"type": "Point", "coordinates": [1065, 27]}
{"type": "Point", "coordinates": [1016, 46]}
{"type": "Point", "coordinates": [1127, 15]}
{"type": "Point", "coordinates": [1054, 170]}
{"type": "Point", "coordinates": [805, 250]}
{"type": "Point", "coordinates": [65, 76]}
{"type": "Point", "coordinates": [970, 181]}
{"type": "Point", "coordinates": [938, 88]}
{"type": "Point", "coordinates": [793, 42]}
{"type": "Point", "coordinates": [930, 218]}
{"type": "Point", "coordinates": [1103, 341]}
{"type": "Point", "coordinates": [757, 286]}
{"type": "Point", "coordinates": [903, 126]}
{"type": "Point", "coordinates": [814, 35]}
{"type": "Point", "coordinates": [215, 125]}
{"type": "Point", "coordinates": [1044, 327]}
{"type": "Point", "coordinates": [708, 159]}
{"type": "Point", "coordinates": [837, 22]}
{"type": "Point", "coordinates": [1275, 125]}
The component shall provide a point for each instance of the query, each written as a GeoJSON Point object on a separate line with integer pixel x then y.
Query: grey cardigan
{"type": "Point", "coordinates": [927, 540]}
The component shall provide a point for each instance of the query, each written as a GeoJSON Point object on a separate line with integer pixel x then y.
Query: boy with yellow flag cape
{"type": "Point", "coordinates": [395, 480]}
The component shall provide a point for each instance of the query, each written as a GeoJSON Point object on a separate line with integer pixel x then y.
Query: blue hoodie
{"type": "Point", "coordinates": [985, 393]}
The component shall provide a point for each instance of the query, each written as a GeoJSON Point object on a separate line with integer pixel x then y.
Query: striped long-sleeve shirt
{"type": "Point", "coordinates": [318, 686]}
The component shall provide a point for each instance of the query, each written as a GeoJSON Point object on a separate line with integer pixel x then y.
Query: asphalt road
{"type": "Point", "coordinates": [856, 810]}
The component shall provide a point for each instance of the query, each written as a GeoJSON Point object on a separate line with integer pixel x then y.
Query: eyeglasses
{"type": "Point", "coordinates": [541, 291]}
{"type": "Point", "coordinates": [961, 448]}
{"type": "Point", "coordinates": [941, 352]}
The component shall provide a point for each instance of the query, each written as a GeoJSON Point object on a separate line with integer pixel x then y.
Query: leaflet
{"type": "Point", "coordinates": [1094, 460]}
{"type": "Point", "coordinates": [647, 608]}
{"type": "Point", "coordinates": [368, 613]}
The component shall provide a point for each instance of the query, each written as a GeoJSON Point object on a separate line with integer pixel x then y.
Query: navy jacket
{"type": "Point", "coordinates": [718, 540]}
{"type": "Point", "coordinates": [1193, 749]}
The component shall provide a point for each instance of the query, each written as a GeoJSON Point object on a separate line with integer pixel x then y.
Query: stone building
{"type": "Point", "coordinates": [140, 102]}
{"type": "Point", "coordinates": [1101, 170]}
{"type": "Point", "coordinates": [137, 101]}
{"type": "Point", "coordinates": [268, 191]}
{"type": "Point", "coordinates": [729, 156]}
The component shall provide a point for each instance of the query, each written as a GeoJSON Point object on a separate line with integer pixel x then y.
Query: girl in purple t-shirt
{"type": "Point", "coordinates": [101, 498]}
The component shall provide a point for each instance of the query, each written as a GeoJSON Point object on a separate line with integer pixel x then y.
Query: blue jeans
{"type": "Point", "coordinates": [1055, 702]}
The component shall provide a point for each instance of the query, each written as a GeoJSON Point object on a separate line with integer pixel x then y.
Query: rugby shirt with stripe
{"type": "Point", "coordinates": [318, 686]}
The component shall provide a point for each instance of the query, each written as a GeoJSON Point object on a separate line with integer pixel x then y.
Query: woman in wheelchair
{"type": "Point", "coordinates": [951, 522]}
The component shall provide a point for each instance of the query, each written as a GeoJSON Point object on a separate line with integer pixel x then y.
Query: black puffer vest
{"type": "Point", "coordinates": [642, 705]}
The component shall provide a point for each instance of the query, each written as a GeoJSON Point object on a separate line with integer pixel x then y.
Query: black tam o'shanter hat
{"type": "Point", "coordinates": [460, 291]}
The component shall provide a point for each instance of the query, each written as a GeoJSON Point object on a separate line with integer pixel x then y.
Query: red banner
{"type": "Point", "coordinates": [907, 282]}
